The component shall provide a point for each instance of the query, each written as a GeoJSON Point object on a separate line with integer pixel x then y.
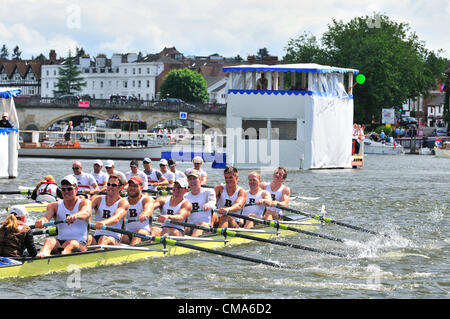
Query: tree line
{"type": "Point", "coordinates": [395, 62]}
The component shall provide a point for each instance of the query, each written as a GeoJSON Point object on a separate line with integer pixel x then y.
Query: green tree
{"type": "Point", "coordinates": [184, 84]}
{"type": "Point", "coordinates": [4, 52]}
{"type": "Point", "coordinates": [69, 79]}
{"type": "Point", "coordinates": [396, 63]}
{"type": "Point", "coordinates": [262, 53]}
{"type": "Point", "coordinates": [16, 53]}
{"type": "Point", "coordinates": [305, 49]}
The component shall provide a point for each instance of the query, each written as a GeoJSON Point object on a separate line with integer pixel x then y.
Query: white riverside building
{"type": "Point", "coordinates": [314, 119]}
{"type": "Point", "coordinates": [106, 77]}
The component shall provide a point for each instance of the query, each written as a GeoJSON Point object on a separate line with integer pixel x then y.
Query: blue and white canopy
{"type": "Point", "coordinates": [6, 93]}
{"type": "Point", "coordinates": [299, 67]}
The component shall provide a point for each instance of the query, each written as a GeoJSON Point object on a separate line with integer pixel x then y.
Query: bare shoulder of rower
{"type": "Point", "coordinates": [52, 208]}
{"type": "Point", "coordinates": [218, 189]}
{"type": "Point", "coordinates": [96, 202]}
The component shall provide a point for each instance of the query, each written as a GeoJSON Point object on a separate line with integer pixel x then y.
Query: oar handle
{"type": "Point", "coordinates": [50, 223]}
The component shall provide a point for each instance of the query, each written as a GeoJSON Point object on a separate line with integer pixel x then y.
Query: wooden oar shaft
{"type": "Point", "coordinates": [226, 232]}
{"type": "Point", "coordinates": [327, 220]}
{"type": "Point", "coordinates": [276, 224]}
{"type": "Point", "coordinates": [164, 240]}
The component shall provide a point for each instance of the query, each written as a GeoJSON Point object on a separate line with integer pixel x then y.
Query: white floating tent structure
{"type": "Point", "coordinates": [9, 137]}
{"type": "Point", "coordinates": [308, 126]}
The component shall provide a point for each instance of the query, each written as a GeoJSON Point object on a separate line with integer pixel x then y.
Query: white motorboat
{"type": "Point", "coordinates": [382, 147]}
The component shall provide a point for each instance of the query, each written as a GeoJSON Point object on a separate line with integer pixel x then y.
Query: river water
{"type": "Point", "coordinates": [405, 196]}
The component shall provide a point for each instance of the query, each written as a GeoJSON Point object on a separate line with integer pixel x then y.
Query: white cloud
{"type": "Point", "coordinates": [201, 27]}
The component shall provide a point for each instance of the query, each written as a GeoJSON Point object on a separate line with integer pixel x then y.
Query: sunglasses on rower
{"type": "Point", "coordinates": [67, 189]}
{"type": "Point", "coordinates": [112, 184]}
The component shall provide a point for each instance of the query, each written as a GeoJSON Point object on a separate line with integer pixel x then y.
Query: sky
{"type": "Point", "coordinates": [199, 27]}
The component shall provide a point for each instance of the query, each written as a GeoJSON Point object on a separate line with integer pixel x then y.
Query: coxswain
{"type": "Point", "coordinates": [86, 182]}
{"type": "Point", "coordinates": [203, 201]}
{"type": "Point", "coordinates": [15, 236]}
{"type": "Point", "coordinates": [139, 212]}
{"type": "Point", "coordinates": [256, 197]}
{"type": "Point", "coordinates": [47, 190]}
{"type": "Point", "coordinates": [76, 211]}
{"type": "Point", "coordinates": [230, 198]}
{"type": "Point", "coordinates": [110, 211]}
{"type": "Point", "coordinates": [174, 207]}
{"type": "Point", "coordinates": [280, 194]}
{"type": "Point", "coordinates": [154, 177]}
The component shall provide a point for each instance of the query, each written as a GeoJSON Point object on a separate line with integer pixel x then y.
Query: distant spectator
{"type": "Point", "coordinates": [67, 130]}
{"type": "Point", "coordinates": [5, 122]}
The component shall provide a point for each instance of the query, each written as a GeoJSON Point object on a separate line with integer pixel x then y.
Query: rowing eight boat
{"type": "Point", "coordinates": [107, 256]}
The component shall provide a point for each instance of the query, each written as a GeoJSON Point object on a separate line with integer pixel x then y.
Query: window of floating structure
{"type": "Point", "coordinates": [283, 130]}
{"type": "Point", "coordinates": [254, 129]}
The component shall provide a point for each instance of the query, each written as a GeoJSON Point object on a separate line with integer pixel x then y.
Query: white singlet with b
{"type": "Point", "coordinates": [276, 196]}
{"type": "Point", "coordinates": [133, 213]}
{"type": "Point", "coordinates": [226, 200]}
{"type": "Point", "coordinates": [75, 231]}
{"type": "Point", "coordinates": [104, 212]}
{"type": "Point", "coordinates": [251, 207]}
{"type": "Point", "coordinates": [172, 210]}
{"type": "Point", "coordinates": [206, 196]}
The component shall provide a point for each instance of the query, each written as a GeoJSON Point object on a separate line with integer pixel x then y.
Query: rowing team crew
{"type": "Point", "coordinates": [95, 182]}
{"type": "Point", "coordinates": [134, 213]}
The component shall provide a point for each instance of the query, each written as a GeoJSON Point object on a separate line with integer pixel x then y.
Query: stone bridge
{"type": "Point", "coordinates": [40, 113]}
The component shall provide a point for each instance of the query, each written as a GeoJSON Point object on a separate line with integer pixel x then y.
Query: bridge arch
{"type": "Point", "coordinates": [80, 113]}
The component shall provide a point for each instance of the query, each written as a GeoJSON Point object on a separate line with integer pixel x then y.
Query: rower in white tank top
{"type": "Point", "coordinates": [251, 207]}
{"type": "Point", "coordinates": [75, 231]}
{"type": "Point", "coordinates": [172, 210]}
{"type": "Point", "coordinates": [226, 200]}
{"type": "Point", "coordinates": [133, 213]}
{"type": "Point", "coordinates": [206, 196]}
{"type": "Point", "coordinates": [276, 196]}
{"type": "Point", "coordinates": [104, 212]}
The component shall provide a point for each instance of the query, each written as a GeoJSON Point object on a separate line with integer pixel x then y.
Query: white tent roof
{"type": "Point", "coordinates": [299, 67]}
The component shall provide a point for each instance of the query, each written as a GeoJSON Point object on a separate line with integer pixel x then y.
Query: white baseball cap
{"type": "Point", "coordinates": [19, 210]}
{"type": "Point", "coordinates": [109, 163]}
{"type": "Point", "coordinates": [182, 182]}
{"type": "Point", "coordinates": [148, 160]}
{"type": "Point", "coordinates": [99, 162]}
{"type": "Point", "coordinates": [163, 162]}
{"type": "Point", "coordinates": [71, 179]}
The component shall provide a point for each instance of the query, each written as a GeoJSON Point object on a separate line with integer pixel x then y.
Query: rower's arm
{"type": "Point", "coordinates": [85, 210]}
{"type": "Point", "coordinates": [148, 204]}
{"type": "Point", "coordinates": [183, 214]}
{"type": "Point", "coordinates": [119, 214]}
{"type": "Point", "coordinates": [51, 212]}
{"type": "Point", "coordinates": [163, 181]}
{"type": "Point", "coordinates": [285, 197]}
